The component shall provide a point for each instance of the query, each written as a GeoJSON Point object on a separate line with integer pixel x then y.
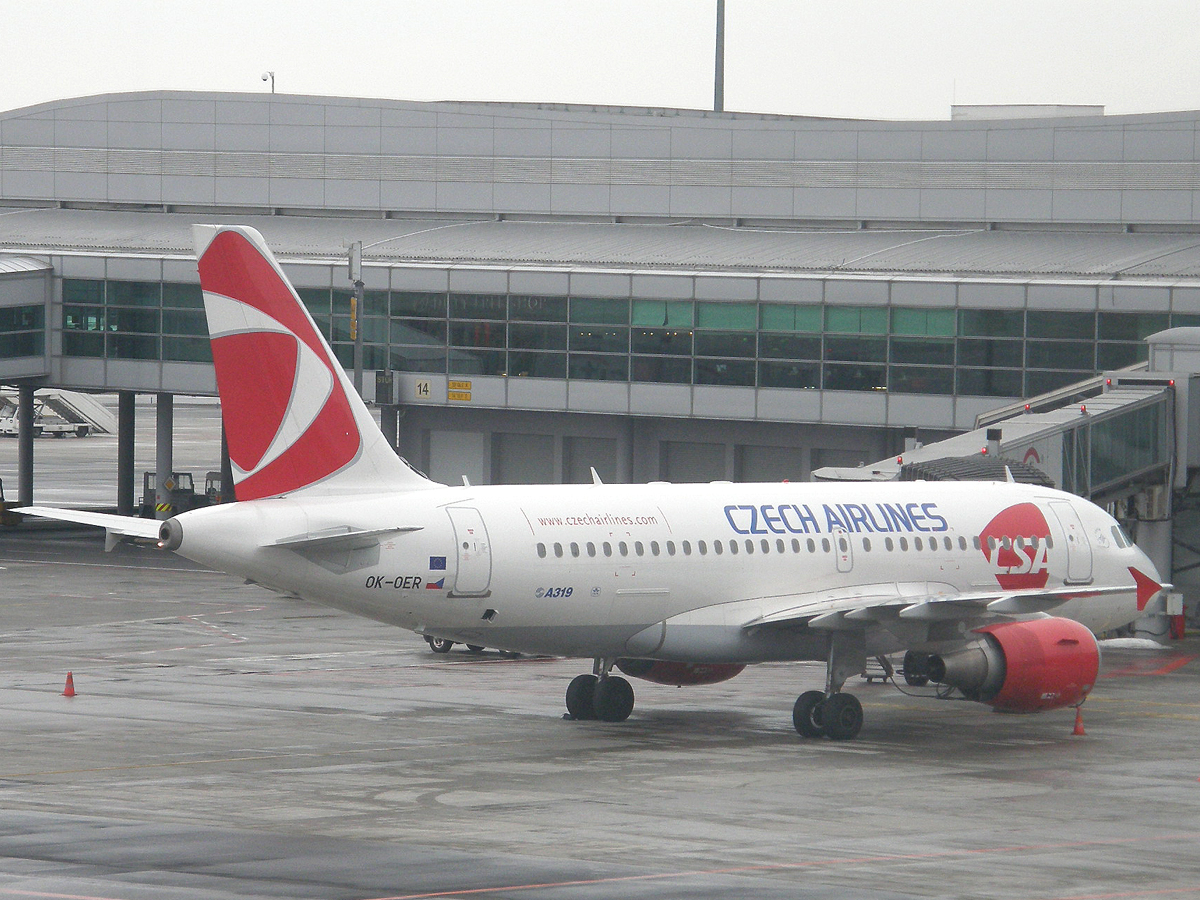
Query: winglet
{"type": "Point", "coordinates": [1147, 587]}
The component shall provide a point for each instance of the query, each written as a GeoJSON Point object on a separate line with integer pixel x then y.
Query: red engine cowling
{"type": "Point", "coordinates": [678, 673]}
{"type": "Point", "coordinates": [1024, 666]}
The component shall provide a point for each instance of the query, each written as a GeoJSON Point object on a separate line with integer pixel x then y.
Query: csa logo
{"type": "Point", "coordinates": [1022, 567]}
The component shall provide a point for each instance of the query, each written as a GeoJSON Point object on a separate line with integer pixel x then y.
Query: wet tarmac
{"type": "Point", "coordinates": [225, 742]}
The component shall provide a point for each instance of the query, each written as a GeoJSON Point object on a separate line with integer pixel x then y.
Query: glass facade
{"type": "Point", "coordinates": [22, 331]}
{"type": "Point", "coordinates": [915, 350]}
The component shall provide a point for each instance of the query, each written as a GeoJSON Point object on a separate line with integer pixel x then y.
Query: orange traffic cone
{"type": "Point", "coordinates": [69, 690]}
{"type": "Point", "coordinates": [1079, 721]}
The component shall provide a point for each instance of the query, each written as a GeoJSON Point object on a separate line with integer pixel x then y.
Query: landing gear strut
{"type": "Point", "coordinates": [830, 713]}
{"type": "Point", "coordinates": [602, 696]}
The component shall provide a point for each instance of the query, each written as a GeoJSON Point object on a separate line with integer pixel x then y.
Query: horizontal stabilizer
{"type": "Point", "coordinates": [343, 537]}
{"type": "Point", "coordinates": [115, 527]}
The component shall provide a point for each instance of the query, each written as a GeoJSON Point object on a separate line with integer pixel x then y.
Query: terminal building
{"type": "Point", "coordinates": [655, 293]}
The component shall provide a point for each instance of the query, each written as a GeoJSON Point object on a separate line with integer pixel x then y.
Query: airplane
{"type": "Point", "coordinates": [993, 591]}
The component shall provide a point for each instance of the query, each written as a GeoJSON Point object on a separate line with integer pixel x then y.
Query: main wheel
{"type": "Point", "coordinates": [842, 716]}
{"type": "Point", "coordinates": [580, 697]}
{"type": "Point", "coordinates": [806, 714]}
{"type": "Point", "coordinates": [613, 700]}
{"type": "Point", "coordinates": [916, 668]}
{"type": "Point", "coordinates": [439, 645]}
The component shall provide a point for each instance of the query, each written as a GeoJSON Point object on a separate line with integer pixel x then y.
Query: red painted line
{"type": "Point", "coordinates": [778, 867]}
{"type": "Point", "coordinates": [1141, 669]}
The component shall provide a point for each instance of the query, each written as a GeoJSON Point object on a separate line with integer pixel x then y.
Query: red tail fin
{"type": "Point", "coordinates": [292, 420]}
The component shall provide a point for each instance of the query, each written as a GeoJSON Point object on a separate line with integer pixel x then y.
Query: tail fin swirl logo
{"type": "Point", "coordinates": [288, 421]}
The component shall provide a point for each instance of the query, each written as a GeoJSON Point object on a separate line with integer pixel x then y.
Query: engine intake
{"type": "Point", "coordinates": [1023, 666]}
{"type": "Point", "coordinates": [678, 673]}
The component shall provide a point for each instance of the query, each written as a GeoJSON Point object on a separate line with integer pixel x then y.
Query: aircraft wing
{"type": "Point", "coordinates": [917, 601]}
{"type": "Point", "coordinates": [115, 527]}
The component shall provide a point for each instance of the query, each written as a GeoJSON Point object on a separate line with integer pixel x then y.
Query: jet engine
{"type": "Point", "coordinates": [678, 673]}
{"type": "Point", "coordinates": [1023, 666]}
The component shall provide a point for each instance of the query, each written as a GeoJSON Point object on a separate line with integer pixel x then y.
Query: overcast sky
{"type": "Point", "coordinates": [893, 59]}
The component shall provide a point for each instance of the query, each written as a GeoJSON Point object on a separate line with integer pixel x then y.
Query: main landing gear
{"type": "Point", "coordinates": [600, 695]}
{"type": "Point", "coordinates": [830, 713]}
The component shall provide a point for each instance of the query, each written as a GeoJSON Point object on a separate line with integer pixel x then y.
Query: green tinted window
{"type": "Point", "coordinates": [187, 349]}
{"type": "Point", "coordinates": [591, 311]}
{"type": "Point", "coordinates": [184, 321]}
{"type": "Point", "coordinates": [1046, 324]}
{"type": "Point", "coordinates": [21, 318]}
{"type": "Point", "coordinates": [1130, 326]}
{"type": "Point", "coordinates": [316, 299]}
{"type": "Point", "coordinates": [663, 313]}
{"type": "Point", "coordinates": [728, 316]}
{"type": "Point", "coordinates": [478, 306]}
{"type": "Point", "coordinates": [906, 320]}
{"type": "Point", "coordinates": [991, 322]}
{"type": "Point", "coordinates": [80, 290]}
{"type": "Point", "coordinates": [375, 303]}
{"type": "Point", "coordinates": [787, 317]}
{"type": "Point", "coordinates": [133, 293]}
{"type": "Point", "coordinates": [419, 303]}
{"type": "Point", "coordinates": [182, 296]}
{"type": "Point", "coordinates": [856, 319]}
{"type": "Point", "coordinates": [537, 309]}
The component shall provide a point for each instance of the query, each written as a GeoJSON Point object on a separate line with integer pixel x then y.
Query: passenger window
{"type": "Point", "coordinates": [718, 547]}
{"type": "Point", "coordinates": [624, 548]}
{"type": "Point", "coordinates": [779, 548]}
{"type": "Point", "coordinates": [867, 544]}
{"type": "Point", "coordinates": [947, 543]}
{"type": "Point", "coordinates": [917, 545]}
{"type": "Point", "coordinates": [1049, 542]}
{"type": "Point", "coordinates": [975, 542]}
{"type": "Point", "coordinates": [654, 548]}
{"type": "Point", "coordinates": [638, 548]}
{"type": "Point", "coordinates": [733, 548]}
{"type": "Point", "coordinates": [607, 548]}
{"type": "Point", "coordinates": [542, 551]}
{"type": "Point", "coordinates": [670, 548]}
{"type": "Point", "coordinates": [904, 544]}
{"type": "Point", "coordinates": [687, 548]}
{"type": "Point", "coordinates": [825, 544]}
{"type": "Point", "coordinates": [812, 546]}
{"type": "Point", "coordinates": [1006, 543]}
{"type": "Point", "coordinates": [702, 547]}
{"type": "Point", "coordinates": [558, 550]}
{"type": "Point", "coordinates": [574, 549]}
{"type": "Point", "coordinates": [591, 548]}
{"type": "Point", "coordinates": [749, 545]}
{"type": "Point", "coordinates": [1019, 542]}
{"type": "Point", "coordinates": [888, 545]}
{"type": "Point", "coordinates": [795, 545]}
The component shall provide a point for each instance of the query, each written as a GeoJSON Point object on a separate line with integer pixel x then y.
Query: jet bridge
{"type": "Point", "coordinates": [1128, 440]}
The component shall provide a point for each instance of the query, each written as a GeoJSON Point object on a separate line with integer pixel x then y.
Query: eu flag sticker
{"type": "Point", "coordinates": [437, 563]}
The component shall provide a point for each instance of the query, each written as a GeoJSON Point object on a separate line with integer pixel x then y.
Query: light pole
{"type": "Point", "coordinates": [269, 76]}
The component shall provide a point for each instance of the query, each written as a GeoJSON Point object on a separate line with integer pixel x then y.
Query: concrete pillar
{"type": "Point", "coordinates": [164, 463]}
{"type": "Point", "coordinates": [1155, 540]}
{"type": "Point", "coordinates": [125, 435]}
{"type": "Point", "coordinates": [25, 426]}
{"type": "Point", "coordinates": [389, 424]}
{"type": "Point", "coordinates": [228, 495]}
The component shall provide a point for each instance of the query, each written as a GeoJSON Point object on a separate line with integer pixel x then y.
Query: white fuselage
{"type": "Point", "coordinates": [592, 570]}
